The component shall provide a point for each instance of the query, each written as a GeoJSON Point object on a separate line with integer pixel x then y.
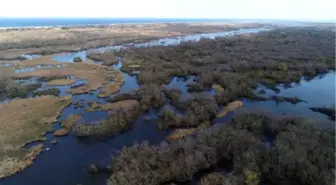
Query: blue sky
{"type": "Point", "coordinates": [266, 9]}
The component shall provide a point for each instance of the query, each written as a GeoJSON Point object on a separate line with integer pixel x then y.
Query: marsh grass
{"type": "Point", "coordinates": [17, 162]}
{"type": "Point", "coordinates": [45, 41]}
{"type": "Point", "coordinates": [26, 120]}
{"type": "Point", "coordinates": [67, 125]}
{"type": "Point", "coordinates": [95, 74]}
{"type": "Point", "coordinates": [229, 108]}
{"type": "Point", "coordinates": [109, 89]}
{"type": "Point", "coordinates": [57, 82]}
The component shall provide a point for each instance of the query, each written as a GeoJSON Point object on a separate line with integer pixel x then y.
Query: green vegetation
{"type": "Point", "coordinates": [52, 91]}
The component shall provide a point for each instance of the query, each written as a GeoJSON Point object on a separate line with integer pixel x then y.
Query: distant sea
{"type": "Point", "coordinates": [44, 22]}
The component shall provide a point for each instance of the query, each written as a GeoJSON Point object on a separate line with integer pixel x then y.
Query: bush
{"type": "Point", "coordinates": [119, 121]}
{"type": "Point", "coordinates": [151, 96]}
{"type": "Point", "coordinates": [20, 91]}
{"type": "Point", "coordinates": [52, 91]}
{"type": "Point", "coordinates": [78, 59]}
{"type": "Point", "coordinates": [300, 154]}
{"type": "Point", "coordinates": [169, 118]}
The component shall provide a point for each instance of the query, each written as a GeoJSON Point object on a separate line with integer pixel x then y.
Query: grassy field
{"type": "Point", "coordinates": [109, 89]}
{"type": "Point", "coordinates": [16, 42]}
{"type": "Point", "coordinates": [26, 120]}
{"type": "Point", "coordinates": [61, 82]}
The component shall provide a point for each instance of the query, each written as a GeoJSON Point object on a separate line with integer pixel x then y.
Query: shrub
{"type": "Point", "coordinates": [169, 118]}
{"type": "Point", "coordinates": [78, 59]}
{"type": "Point", "coordinates": [120, 120]}
{"type": "Point", "coordinates": [151, 96]}
{"type": "Point", "coordinates": [300, 154]}
{"type": "Point", "coordinates": [52, 91]}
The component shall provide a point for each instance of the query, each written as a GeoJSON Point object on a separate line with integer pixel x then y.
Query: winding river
{"type": "Point", "coordinates": [65, 163]}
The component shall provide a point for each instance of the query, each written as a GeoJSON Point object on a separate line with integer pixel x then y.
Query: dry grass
{"type": "Point", "coordinates": [23, 121]}
{"type": "Point", "coordinates": [61, 82]}
{"type": "Point", "coordinates": [109, 89]}
{"type": "Point", "coordinates": [61, 132]}
{"type": "Point", "coordinates": [96, 75]}
{"type": "Point", "coordinates": [126, 104]}
{"type": "Point", "coordinates": [67, 125]}
{"type": "Point", "coordinates": [70, 121]}
{"type": "Point", "coordinates": [219, 89]}
{"type": "Point", "coordinates": [43, 60]}
{"type": "Point", "coordinates": [10, 166]}
{"type": "Point", "coordinates": [55, 40]}
{"type": "Point", "coordinates": [181, 133]}
{"type": "Point", "coordinates": [229, 108]}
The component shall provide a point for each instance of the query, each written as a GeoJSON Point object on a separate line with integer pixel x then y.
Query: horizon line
{"type": "Point", "coordinates": [176, 18]}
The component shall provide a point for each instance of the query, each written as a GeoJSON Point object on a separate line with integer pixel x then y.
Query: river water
{"type": "Point", "coordinates": [65, 163]}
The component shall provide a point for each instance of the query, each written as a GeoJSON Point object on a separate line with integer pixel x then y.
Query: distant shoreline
{"type": "Point", "coordinates": [116, 24]}
{"type": "Point", "coordinates": [40, 23]}
{"type": "Point", "coordinates": [18, 23]}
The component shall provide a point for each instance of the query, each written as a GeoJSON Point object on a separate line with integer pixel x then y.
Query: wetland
{"type": "Point", "coordinates": [198, 104]}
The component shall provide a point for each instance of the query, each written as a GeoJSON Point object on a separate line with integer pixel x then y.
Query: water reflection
{"type": "Point", "coordinates": [318, 92]}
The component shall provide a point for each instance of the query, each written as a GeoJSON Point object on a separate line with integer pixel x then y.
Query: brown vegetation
{"type": "Point", "coordinates": [126, 104]}
{"type": "Point", "coordinates": [61, 82]}
{"type": "Point", "coordinates": [26, 120]}
{"type": "Point", "coordinates": [121, 117]}
{"type": "Point", "coordinates": [198, 110]}
{"type": "Point", "coordinates": [16, 42]}
{"type": "Point", "coordinates": [181, 133]}
{"type": "Point", "coordinates": [67, 125]}
{"type": "Point", "coordinates": [10, 166]}
{"type": "Point", "coordinates": [109, 89]}
{"type": "Point", "coordinates": [96, 76]}
{"type": "Point", "coordinates": [212, 179]}
{"type": "Point", "coordinates": [229, 108]}
{"type": "Point", "coordinates": [301, 155]}
{"type": "Point", "coordinates": [108, 57]}
{"type": "Point", "coordinates": [239, 63]}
